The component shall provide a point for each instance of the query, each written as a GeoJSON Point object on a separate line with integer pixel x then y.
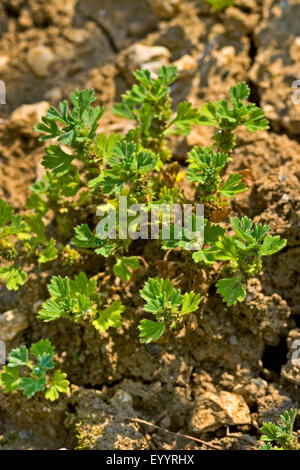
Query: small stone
{"type": "Point", "coordinates": [225, 55]}
{"type": "Point", "coordinates": [11, 323]}
{"type": "Point", "coordinates": [54, 94]}
{"type": "Point", "coordinates": [166, 9]}
{"type": "Point", "coordinates": [3, 61]}
{"type": "Point", "coordinates": [140, 56]}
{"type": "Point", "coordinates": [40, 59]}
{"type": "Point", "coordinates": [214, 410]}
{"type": "Point", "coordinates": [29, 112]}
{"type": "Point", "coordinates": [186, 65]}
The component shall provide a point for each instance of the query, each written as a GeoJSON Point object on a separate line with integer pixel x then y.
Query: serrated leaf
{"type": "Point", "coordinates": [50, 311]}
{"type": "Point", "coordinates": [18, 357]}
{"type": "Point", "coordinates": [271, 245]}
{"type": "Point", "coordinates": [13, 276]}
{"type": "Point", "coordinates": [57, 160]}
{"type": "Point", "coordinates": [59, 287]}
{"type": "Point", "coordinates": [109, 317]}
{"type": "Point", "coordinates": [123, 267]}
{"type": "Point", "coordinates": [58, 384]}
{"type": "Point", "coordinates": [234, 185]}
{"type": "Point", "coordinates": [31, 385]}
{"type": "Point", "coordinates": [190, 303]}
{"type": "Point", "coordinates": [231, 290]}
{"type": "Point", "coordinates": [49, 253]}
{"type": "Point", "coordinates": [45, 362]}
{"type": "Point", "coordinates": [84, 238]}
{"type": "Point", "coordinates": [150, 330]}
{"type": "Point", "coordinates": [43, 346]}
{"type": "Point", "coordinates": [81, 284]}
{"type": "Point", "coordinates": [10, 379]}
{"type": "Point", "coordinates": [239, 92]}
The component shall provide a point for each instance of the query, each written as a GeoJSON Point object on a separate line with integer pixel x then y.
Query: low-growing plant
{"type": "Point", "coordinates": [29, 371]}
{"type": "Point", "coordinates": [167, 304]}
{"type": "Point", "coordinates": [87, 173]}
{"type": "Point", "coordinates": [280, 436]}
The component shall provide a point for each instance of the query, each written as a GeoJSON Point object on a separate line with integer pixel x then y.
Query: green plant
{"type": "Point", "coordinates": [149, 105]}
{"type": "Point", "coordinates": [87, 173]}
{"type": "Point", "coordinates": [221, 4]}
{"type": "Point", "coordinates": [227, 116]}
{"type": "Point", "coordinates": [22, 238]}
{"type": "Point", "coordinates": [28, 370]}
{"type": "Point", "coordinates": [78, 301]}
{"type": "Point", "coordinates": [280, 436]}
{"type": "Point", "coordinates": [167, 304]}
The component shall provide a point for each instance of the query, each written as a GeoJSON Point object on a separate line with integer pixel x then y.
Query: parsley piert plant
{"type": "Point", "coordinates": [87, 172]}
{"type": "Point", "coordinates": [280, 436]}
{"type": "Point", "coordinates": [29, 371]}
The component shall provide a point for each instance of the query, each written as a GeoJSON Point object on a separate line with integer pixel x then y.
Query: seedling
{"type": "Point", "coordinates": [149, 105]}
{"type": "Point", "coordinates": [280, 436]}
{"type": "Point", "coordinates": [78, 301]}
{"type": "Point", "coordinates": [227, 116]}
{"type": "Point", "coordinates": [167, 304]}
{"type": "Point", "coordinates": [28, 370]}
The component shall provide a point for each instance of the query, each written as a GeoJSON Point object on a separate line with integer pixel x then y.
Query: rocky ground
{"type": "Point", "coordinates": [220, 381]}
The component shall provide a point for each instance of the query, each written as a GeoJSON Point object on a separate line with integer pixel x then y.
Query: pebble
{"type": "Point", "coordinates": [3, 61]}
{"type": "Point", "coordinates": [140, 56]}
{"type": "Point", "coordinates": [40, 59]}
{"type": "Point", "coordinates": [29, 112]}
{"type": "Point", "coordinates": [11, 323]}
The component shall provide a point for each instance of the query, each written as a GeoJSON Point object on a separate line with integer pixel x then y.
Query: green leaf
{"type": "Point", "coordinates": [231, 290]}
{"type": "Point", "coordinates": [18, 357]}
{"type": "Point", "coordinates": [84, 237]}
{"type": "Point", "coordinates": [49, 253]}
{"type": "Point", "coordinates": [45, 362]}
{"type": "Point", "coordinates": [186, 117]}
{"type": "Point", "coordinates": [271, 245]}
{"type": "Point", "coordinates": [6, 212]}
{"type": "Point", "coordinates": [239, 92]}
{"type": "Point", "coordinates": [37, 226]}
{"type": "Point", "coordinates": [167, 74]}
{"type": "Point", "coordinates": [242, 227]}
{"type": "Point", "coordinates": [32, 385]}
{"type": "Point", "coordinates": [190, 303]}
{"type": "Point", "coordinates": [13, 276]}
{"type": "Point", "coordinates": [81, 284]}
{"type": "Point", "coordinates": [57, 160]}
{"type": "Point", "coordinates": [59, 287]}
{"type": "Point", "coordinates": [50, 311]}
{"type": "Point", "coordinates": [58, 384]}
{"type": "Point", "coordinates": [10, 379]}
{"type": "Point", "coordinates": [44, 346]}
{"type": "Point", "coordinates": [227, 250]}
{"type": "Point", "coordinates": [150, 330]}
{"type": "Point", "coordinates": [109, 317]}
{"type": "Point", "coordinates": [123, 267]}
{"type": "Point", "coordinates": [234, 185]}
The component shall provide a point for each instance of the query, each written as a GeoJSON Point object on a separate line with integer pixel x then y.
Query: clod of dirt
{"type": "Point", "coordinates": [106, 426]}
{"type": "Point", "coordinates": [273, 405]}
{"type": "Point", "coordinates": [40, 59]}
{"type": "Point", "coordinates": [29, 113]}
{"type": "Point", "coordinates": [11, 323]}
{"type": "Point", "coordinates": [139, 56]}
{"type": "Point", "coordinates": [167, 9]}
{"type": "Point", "coordinates": [291, 370]}
{"type": "Point", "coordinates": [214, 410]}
{"type": "Point", "coordinates": [186, 65]}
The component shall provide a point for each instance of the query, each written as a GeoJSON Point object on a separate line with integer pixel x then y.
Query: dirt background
{"type": "Point", "coordinates": [222, 378]}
